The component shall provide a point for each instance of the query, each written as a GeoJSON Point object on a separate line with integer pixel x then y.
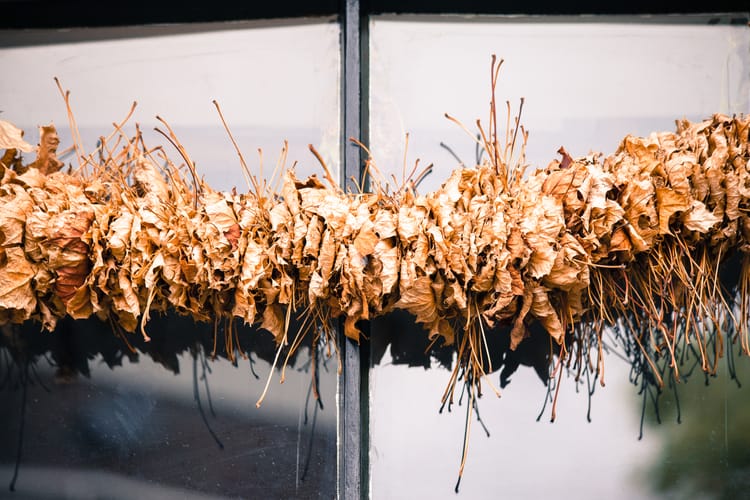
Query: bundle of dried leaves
{"type": "Point", "coordinates": [634, 241]}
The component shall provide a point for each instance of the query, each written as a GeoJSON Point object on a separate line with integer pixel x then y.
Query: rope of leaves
{"type": "Point", "coordinates": [633, 241]}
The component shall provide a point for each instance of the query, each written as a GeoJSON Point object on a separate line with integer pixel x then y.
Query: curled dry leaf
{"type": "Point", "coordinates": [11, 137]}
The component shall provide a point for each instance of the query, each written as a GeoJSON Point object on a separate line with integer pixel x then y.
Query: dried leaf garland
{"type": "Point", "coordinates": [633, 241]}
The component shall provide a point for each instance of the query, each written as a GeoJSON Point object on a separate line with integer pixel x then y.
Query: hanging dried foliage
{"type": "Point", "coordinates": [634, 240]}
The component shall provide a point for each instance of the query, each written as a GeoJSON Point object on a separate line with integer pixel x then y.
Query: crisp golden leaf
{"type": "Point", "coordinates": [669, 202]}
{"type": "Point", "coordinates": [699, 219]}
{"type": "Point", "coordinates": [79, 305]}
{"type": "Point", "coordinates": [518, 332]}
{"type": "Point", "coordinates": [570, 270]}
{"type": "Point", "coordinates": [388, 255]}
{"type": "Point", "coordinates": [327, 256]}
{"type": "Point", "coordinates": [11, 137]}
{"type": "Point", "coordinates": [733, 196]}
{"type": "Point", "coordinates": [15, 205]}
{"type": "Point", "coordinates": [410, 222]}
{"type": "Point", "coordinates": [541, 226]}
{"type": "Point", "coordinates": [219, 211]}
{"type": "Point", "coordinates": [386, 224]}
{"type": "Point", "coordinates": [366, 240]}
{"type": "Point", "coordinates": [16, 292]}
{"type": "Point", "coordinates": [418, 299]}
{"type": "Point", "coordinates": [542, 309]}
{"type": "Point", "coordinates": [273, 321]}
{"type": "Point", "coordinates": [313, 237]}
{"type": "Point", "coordinates": [118, 238]}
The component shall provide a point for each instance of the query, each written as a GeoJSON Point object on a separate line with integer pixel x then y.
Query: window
{"type": "Point", "coordinates": [586, 84]}
{"type": "Point", "coordinates": [169, 420]}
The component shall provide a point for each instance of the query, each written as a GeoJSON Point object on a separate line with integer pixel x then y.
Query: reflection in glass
{"type": "Point", "coordinates": [105, 415]}
{"type": "Point", "coordinates": [586, 86]}
{"type": "Point", "coordinates": [707, 454]}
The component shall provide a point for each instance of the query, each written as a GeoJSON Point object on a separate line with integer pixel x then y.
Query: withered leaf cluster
{"type": "Point", "coordinates": [578, 246]}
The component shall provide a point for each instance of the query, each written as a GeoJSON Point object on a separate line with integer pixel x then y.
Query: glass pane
{"type": "Point", "coordinates": [587, 83]}
{"type": "Point", "coordinates": [272, 82]}
{"type": "Point", "coordinates": [107, 415]}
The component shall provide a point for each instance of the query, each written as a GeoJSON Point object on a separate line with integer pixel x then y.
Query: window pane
{"type": "Point", "coordinates": [587, 83]}
{"type": "Point", "coordinates": [170, 420]}
{"type": "Point", "coordinates": [273, 83]}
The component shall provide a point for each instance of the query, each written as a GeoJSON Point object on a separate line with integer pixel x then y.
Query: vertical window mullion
{"type": "Point", "coordinates": [352, 428]}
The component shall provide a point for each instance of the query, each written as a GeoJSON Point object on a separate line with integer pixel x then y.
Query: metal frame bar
{"type": "Point", "coordinates": [23, 14]}
{"type": "Point", "coordinates": [353, 432]}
